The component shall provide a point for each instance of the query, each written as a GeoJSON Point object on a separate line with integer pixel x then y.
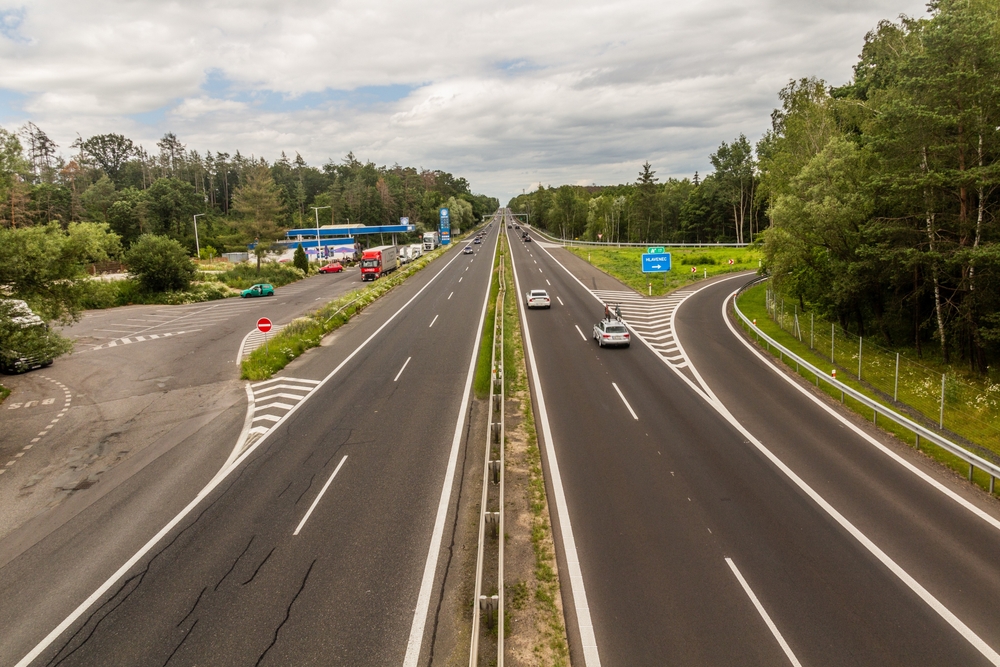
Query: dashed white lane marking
{"type": "Point", "coordinates": [560, 301]}
{"type": "Point", "coordinates": [763, 614]}
{"type": "Point", "coordinates": [321, 492]}
{"type": "Point", "coordinates": [580, 332]}
{"type": "Point", "coordinates": [66, 405]}
{"type": "Point", "coordinates": [622, 396]}
{"type": "Point", "coordinates": [432, 322]}
{"type": "Point", "coordinates": [450, 295]}
{"type": "Point", "coordinates": [402, 369]}
{"type": "Point", "coordinates": [547, 282]}
{"type": "Point", "coordinates": [267, 410]}
{"type": "Point", "coordinates": [128, 340]}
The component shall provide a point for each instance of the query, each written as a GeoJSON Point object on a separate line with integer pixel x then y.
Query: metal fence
{"type": "Point", "coordinates": [617, 244]}
{"type": "Point", "coordinates": [965, 409]}
{"type": "Point", "coordinates": [808, 333]}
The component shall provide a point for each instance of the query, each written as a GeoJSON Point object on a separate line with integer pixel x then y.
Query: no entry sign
{"type": "Point", "coordinates": [263, 325]}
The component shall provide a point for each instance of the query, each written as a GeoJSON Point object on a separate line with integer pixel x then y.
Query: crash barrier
{"type": "Point", "coordinates": [918, 430]}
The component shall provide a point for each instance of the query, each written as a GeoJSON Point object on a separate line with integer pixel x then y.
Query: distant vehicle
{"type": "Point", "coordinates": [467, 250]}
{"type": "Point", "coordinates": [260, 289]}
{"type": "Point", "coordinates": [516, 226]}
{"type": "Point", "coordinates": [537, 298]}
{"type": "Point", "coordinates": [14, 358]}
{"type": "Point", "coordinates": [611, 332]}
{"type": "Point", "coordinates": [477, 240]}
{"type": "Point", "coordinates": [527, 239]}
{"type": "Point", "coordinates": [335, 267]}
{"type": "Point", "coordinates": [376, 262]}
{"type": "Point", "coordinates": [431, 240]}
{"type": "Point", "coordinates": [416, 250]}
{"type": "Point", "coordinates": [510, 226]}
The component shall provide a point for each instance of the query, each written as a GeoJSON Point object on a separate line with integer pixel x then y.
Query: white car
{"type": "Point", "coordinates": [537, 298]}
{"type": "Point", "coordinates": [611, 332]}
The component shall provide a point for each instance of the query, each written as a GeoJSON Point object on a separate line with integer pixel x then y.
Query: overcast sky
{"type": "Point", "coordinates": [507, 94]}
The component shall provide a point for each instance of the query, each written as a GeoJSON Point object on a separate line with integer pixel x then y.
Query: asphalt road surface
{"type": "Point", "coordinates": [315, 546]}
{"type": "Point", "coordinates": [717, 515]}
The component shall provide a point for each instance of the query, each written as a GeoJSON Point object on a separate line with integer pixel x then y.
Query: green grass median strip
{"type": "Point", "coordinates": [625, 264]}
{"type": "Point", "coordinates": [752, 304]}
{"type": "Point", "coordinates": [485, 358]}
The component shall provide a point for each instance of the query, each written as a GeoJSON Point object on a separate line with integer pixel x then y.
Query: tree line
{"type": "Point", "coordinates": [875, 202]}
{"type": "Point", "coordinates": [110, 179]}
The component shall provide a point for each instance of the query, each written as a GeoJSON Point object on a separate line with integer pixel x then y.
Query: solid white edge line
{"type": "Point", "coordinates": [220, 476]}
{"type": "Point", "coordinates": [591, 655]}
{"type": "Point", "coordinates": [622, 396]}
{"type": "Point", "coordinates": [321, 492]}
{"type": "Point", "coordinates": [433, 321]}
{"type": "Point", "coordinates": [993, 521]}
{"type": "Point", "coordinates": [402, 369]}
{"type": "Point", "coordinates": [416, 639]}
{"type": "Point", "coordinates": [763, 614]}
{"type": "Point", "coordinates": [580, 332]}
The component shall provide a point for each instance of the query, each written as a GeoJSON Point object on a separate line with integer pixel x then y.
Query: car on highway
{"type": "Point", "coordinates": [260, 289]}
{"type": "Point", "coordinates": [527, 239]}
{"type": "Point", "coordinates": [611, 332]}
{"type": "Point", "coordinates": [467, 250]}
{"type": "Point", "coordinates": [477, 240]}
{"type": "Point", "coordinates": [334, 267]}
{"type": "Point", "coordinates": [537, 298]}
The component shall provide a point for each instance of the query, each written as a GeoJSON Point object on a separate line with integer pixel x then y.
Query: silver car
{"type": "Point", "coordinates": [611, 332]}
{"type": "Point", "coordinates": [537, 298]}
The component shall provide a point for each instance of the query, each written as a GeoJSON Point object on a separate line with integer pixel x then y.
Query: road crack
{"type": "Point", "coordinates": [288, 614]}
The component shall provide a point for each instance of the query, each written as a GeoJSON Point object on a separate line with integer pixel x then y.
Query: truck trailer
{"type": "Point", "coordinates": [376, 262]}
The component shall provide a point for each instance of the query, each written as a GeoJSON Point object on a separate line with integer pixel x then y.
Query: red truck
{"type": "Point", "coordinates": [378, 261]}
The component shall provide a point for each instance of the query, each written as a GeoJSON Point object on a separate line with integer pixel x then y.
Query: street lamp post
{"type": "Point", "coordinates": [197, 247]}
{"type": "Point", "coordinates": [316, 211]}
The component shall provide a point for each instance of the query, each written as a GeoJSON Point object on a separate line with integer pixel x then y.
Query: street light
{"type": "Point", "coordinates": [197, 248]}
{"type": "Point", "coordinates": [316, 211]}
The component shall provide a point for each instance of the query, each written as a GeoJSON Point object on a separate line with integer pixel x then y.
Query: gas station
{"type": "Point", "coordinates": [339, 241]}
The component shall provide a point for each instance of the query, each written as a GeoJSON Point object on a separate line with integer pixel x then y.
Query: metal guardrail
{"type": "Point", "coordinates": [877, 408]}
{"type": "Point", "coordinates": [611, 244]}
{"type": "Point", "coordinates": [492, 606]}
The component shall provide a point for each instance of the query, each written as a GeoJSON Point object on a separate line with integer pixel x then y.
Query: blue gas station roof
{"type": "Point", "coordinates": [350, 230]}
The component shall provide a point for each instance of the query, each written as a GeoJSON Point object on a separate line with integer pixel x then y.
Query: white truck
{"type": "Point", "coordinates": [431, 240]}
{"type": "Point", "coordinates": [416, 250]}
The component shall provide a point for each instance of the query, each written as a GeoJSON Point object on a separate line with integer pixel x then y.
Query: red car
{"type": "Point", "coordinates": [335, 267]}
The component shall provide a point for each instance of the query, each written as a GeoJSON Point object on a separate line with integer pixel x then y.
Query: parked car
{"type": "Point", "coordinates": [537, 298]}
{"type": "Point", "coordinates": [23, 345]}
{"type": "Point", "coordinates": [611, 332]}
{"type": "Point", "coordinates": [334, 267]}
{"type": "Point", "coordinates": [260, 289]}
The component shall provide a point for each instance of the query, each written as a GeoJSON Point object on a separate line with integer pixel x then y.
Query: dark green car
{"type": "Point", "coordinates": [260, 289]}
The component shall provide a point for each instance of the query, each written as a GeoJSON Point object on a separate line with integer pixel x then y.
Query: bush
{"type": "Point", "coordinates": [300, 260]}
{"type": "Point", "coordinates": [695, 259]}
{"type": "Point", "coordinates": [160, 264]}
{"type": "Point", "coordinates": [244, 275]}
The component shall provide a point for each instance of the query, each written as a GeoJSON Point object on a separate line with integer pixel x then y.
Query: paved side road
{"type": "Point", "coordinates": [717, 511]}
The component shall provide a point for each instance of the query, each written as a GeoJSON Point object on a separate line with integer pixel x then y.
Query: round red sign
{"type": "Point", "coordinates": [263, 325]}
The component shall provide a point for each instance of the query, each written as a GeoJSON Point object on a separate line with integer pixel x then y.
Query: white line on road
{"type": "Point", "coordinates": [560, 301]}
{"type": "Point", "coordinates": [459, 280]}
{"type": "Point", "coordinates": [581, 333]}
{"type": "Point", "coordinates": [433, 321]}
{"type": "Point", "coordinates": [622, 396]}
{"type": "Point", "coordinates": [321, 492]}
{"type": "Point", "coordinates": [547, 282]}
{"type": "Point", "coordinates": [767, 619]}
{"type": "Point", "coordinates": [402, 369]}
{"type": "Point", "coordinates": [450, 295]}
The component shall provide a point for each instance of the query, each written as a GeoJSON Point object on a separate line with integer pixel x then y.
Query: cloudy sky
{"type": "Point", "coordinates": [505, 93]}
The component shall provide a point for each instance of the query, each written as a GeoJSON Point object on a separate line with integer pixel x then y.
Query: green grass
{"type": "Point", "coordinates": [484, 360]}
{"type": "Point", "coordinates": [752, 303]}
{"type": "Point", "coordinates": [4, 393]}
{"type": "Point", "coordinates": [625, 264]}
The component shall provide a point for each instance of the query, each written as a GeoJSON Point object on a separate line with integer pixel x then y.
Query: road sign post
{"type": "Point", "coordinates": [263, 326]}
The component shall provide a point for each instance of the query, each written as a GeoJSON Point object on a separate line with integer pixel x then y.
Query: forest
{"type": "Point", "coordinates": [875, 202]}
{"type": "Point", "coordinates": [110, 179]}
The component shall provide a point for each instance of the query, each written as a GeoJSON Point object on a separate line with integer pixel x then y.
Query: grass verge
{"type": "Point", "coordinates": [4, 393]}
{"type": "Point", "coordinates": [751, 302]}
{"type": "Point", "coordinates": [481, 383]}
{"type": "Point", "coordinates": [625, 265]}
{"type": "Point", "coordinates": [542, 591]}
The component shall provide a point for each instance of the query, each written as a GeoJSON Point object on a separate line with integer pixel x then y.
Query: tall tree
{"type": "Point", "coordinates": [258, 203]}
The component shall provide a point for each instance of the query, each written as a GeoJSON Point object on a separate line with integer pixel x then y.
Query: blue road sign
{"type": "Point", "coordinates": [655, 262]}
{"type": "Point", "coordinates": [445, 226]}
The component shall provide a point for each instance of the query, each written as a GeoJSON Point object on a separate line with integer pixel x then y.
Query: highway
{"type": "Point", "coordinates": [319, 544]}
{"type": "Point", "coordinates": [718, 513]}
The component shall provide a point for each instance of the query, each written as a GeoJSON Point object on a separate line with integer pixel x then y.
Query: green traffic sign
{"type": "Point", "coordinates": [655, 251]}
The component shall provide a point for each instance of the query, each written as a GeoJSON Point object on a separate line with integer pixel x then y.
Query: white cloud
{"type": "Point", "coordinates": [505, 93]}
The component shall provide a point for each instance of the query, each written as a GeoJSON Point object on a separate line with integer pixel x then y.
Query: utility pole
{"type": "Point", "coordinates": [316, 211]}
{"type": "Point", "coordinates": [197, 247]}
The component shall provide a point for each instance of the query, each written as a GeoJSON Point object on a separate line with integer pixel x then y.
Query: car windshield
{"type": "Point", "coordinates": [615, 329]}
